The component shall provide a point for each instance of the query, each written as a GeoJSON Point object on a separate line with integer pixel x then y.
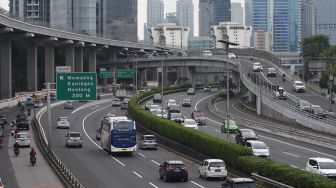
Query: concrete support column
{"type": "Point", "coordinates": [78, 59]}
{"type": "Point", "coordinates": [114, 75]}
{"type": "Point", "coordinates": [251, 96]}
{"type": "Point", "coordinates": [191, 75]}
{"type": "Point", "coordinates": [165, 76]}
{"type": "Point", "coordinates": [5, 69]}
{"type": "Point", "coordinates": [32, 67]}
{"type": "Point", "coordinates": [49, 67]}
{"type": "Point", "coordinates": [70, 57]}
{"type": "Point", "coordinates": [258, 105]}
{"type": "Point", "coordinates": [92, 60]}
{"type": "Point", "coordinates": [156, 75]}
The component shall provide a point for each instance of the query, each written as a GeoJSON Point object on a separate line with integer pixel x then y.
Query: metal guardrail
{"type": "Point", "coordinates": [61, 170]}
{"type": "Point", "coordinates": [269, 181]}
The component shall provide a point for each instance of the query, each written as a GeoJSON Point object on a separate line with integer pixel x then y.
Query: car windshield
{"type": "Point", "coordinates": [217, 164]}
{"type": "Point", "coordinates": [157, 96]}
{"type": "Point", "coordinates": [299, 84]}
{"type": "Point", "coordinates": [22, 136]}
{"type": "Point", "coordinates": [256, 64]}
{"type": "Point", "coordinates": [176, 165]}
{"type": "Point", "coordinates": [75, 135]}
{"type": "Point", "coordinates": [259, 145]}
{"type": "Point", "coordinates": [149, 138]}
{"type": "Point", "coordinates": [271, 69]}
{"type": "Point", "coordinates": [186, 100]}
{"type": "Point", "coordinates": [199, 114]}
{"type": "Point", "coordinates": [327, 165]}
{"type": "Point", "coordinates": [63, 119]}
{"type": "Point", "coordinates": [123, 125]}
{"type": "Point", "coordinates": [189, 122]}
{"type": "Point", "coordinates": [190, 90]}
{"type": "Point", "coordinates": [155, 107]}
{"type": "Point", "coordinates": [304, 103]}
{"type": "Point", "coordinates": [248, 133]}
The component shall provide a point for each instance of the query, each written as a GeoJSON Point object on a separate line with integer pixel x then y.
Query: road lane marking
{"type": "Point", "coordinates": [142, 155]}
{"type": "Point", "coordinates": [291, 154]}
{"type": "Point", "coordinates": [293, 145]}
{"type": "Point", "coordinates": [150, 183]}
{"type": "Point", "coordinates": [202, 100]}
{"type": "Point", "coordinates": [155, 162]}
{"type": "Point", "coordinates": [83, 127]}
{"type": "Point", "coordinates": [298, 146]}
{"type": "Point", "coordinates": [197, 184]}
{"type": "Point", "coordinates": [137, 174]}
{"type": "Point", "coordinates": [91, 104]}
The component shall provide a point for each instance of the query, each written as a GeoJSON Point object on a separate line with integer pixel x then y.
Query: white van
{"type": "Point", "coordinates": [207, 53]}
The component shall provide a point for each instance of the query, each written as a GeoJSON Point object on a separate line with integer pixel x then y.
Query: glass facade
{"type": "Point", "coordinates": [185, 14]}
{"type": "Point", "coordinates": [325, 19]}
{"type": "Point", "coordinates": [260, 9]}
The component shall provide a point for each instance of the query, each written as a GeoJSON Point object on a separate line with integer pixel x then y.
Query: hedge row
{"type": "Point", "coordinates": [234, 155]}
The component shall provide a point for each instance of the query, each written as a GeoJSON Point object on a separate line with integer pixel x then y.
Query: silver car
{"type": "Point", "coordinates": [148, 142]}
{"type": "Point", "coordinates": [73, 139]}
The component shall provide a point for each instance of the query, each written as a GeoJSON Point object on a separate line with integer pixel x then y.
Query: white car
{"type": "Point", "coordinates": [73, 139]}
{"type": "Point", "coordinates": [38, 103]}
{"type": "Point", "coordinates": [299, 86]}
{"type": "Point", "coordinates": [154, 107]}
{"type": "Point", "coordinates": [259, 148]}
{"type": "Point", "coordinates": [160, 113]}
{"type": "Point", "coordinates": [212, 168]}
{"type": "Point", "coordinates": [190, 123]}
{"type": "Point", "coordinates": [323, 166]}
{"type": "Point", "coordinates": [280, 94]}
{"type": "Point", "coordinates": [232, 55]}
{"type": "Point", "coordinates": [22, 138]}
{"type": "Point", "coordinates": [171, 102]}
{"type": "Point", "coordinates": [257, 67]}
{"type": "Point", "coordinates": [63, 123]}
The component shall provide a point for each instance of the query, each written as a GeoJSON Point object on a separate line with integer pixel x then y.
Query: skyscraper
{"type": "Point", "coordinates": [155, 14]}
{"type": "Point", "coordinates": [211, 12]}
{"type": "Point", "coordinates": [77, 16]}
{"type": "Point", "coordinates": [32, 10]}
{"type": "Point", "coordinates": [185, 14]}
{"type": "Point", "coordinates": [307, 18]}
{"type": "Point", "coordinates": [172, 18]}
{"type": "Point", "coordinates": [237, 13]}
{"type": "Point", "coordinates": [325, 19]}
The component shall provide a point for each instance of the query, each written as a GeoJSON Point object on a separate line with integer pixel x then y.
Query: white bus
{"type": "Point", "coordinates": [118, 134]}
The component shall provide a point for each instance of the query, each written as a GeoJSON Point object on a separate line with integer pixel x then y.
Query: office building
{"type": "Point", "coordinates": [326, 19]}
{"type": "Point", "coordinates": [185, 14]}
{"type": "Point", "coordinates": [232, 32]}
{"type": "Point", "coordinates": [211, 12]}
{"type": "Point", "coordinates": [155, 14]}
{"type": "Point", "coordinates": [171, 18]}
{"type": "Point", "coordinates": [262, 40]}
{"type": "Point", "coordinates": [31, 10]}
{"type": "Point", "coordinates": [200, 42]}
{"type": "Point", "coordinates": [307, 18]}
{"type": "Point", "coordinates": [237, 13]}
{"type": "Point", "coordinates": [169, 34]}
{"type": "Point", "coordinates": [248, 13]}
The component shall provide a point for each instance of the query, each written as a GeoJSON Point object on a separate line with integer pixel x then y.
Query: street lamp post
{"type": "Point", "coordinates": [227, 87]}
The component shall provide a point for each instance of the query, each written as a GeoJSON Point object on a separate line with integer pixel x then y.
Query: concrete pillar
{"type": "Point", "coordinates": [49, 67]}
{"type": "Point", "coordinates": [165, 76]}
{"type": "Point", "coordinates": [78, 59]}
{"type": "Point", "coordinates": [114, 75]}
{"type": "Point", "coordinates": [5, 69]}
{"type": "Point", "coordinates": [92, 60]}
{"type": "Point", "coordinates": [251, 96]}
{"type": "Point", "coordinates": [32, 67]}
{"type": "Point", "coordinates": [258, 105]}
{"type": "Point", "coordinates": [70, 57]}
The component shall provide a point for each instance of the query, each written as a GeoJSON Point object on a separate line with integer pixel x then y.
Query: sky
{"type": "Point", "coordinates": [170, 6]}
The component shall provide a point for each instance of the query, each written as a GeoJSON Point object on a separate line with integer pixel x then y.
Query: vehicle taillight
{"type": "Point", "coordinates": [184, 169]}
{"type": "Point", "coordinates": [168, 169]}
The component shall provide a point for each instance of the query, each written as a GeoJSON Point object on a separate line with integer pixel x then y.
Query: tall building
{"type": "Point", "coordinates": [31, 10]}
{"type": "Point", "coordinates": [237, 13]}
{"type": "Point", "coordinates": [155, 14]}
{"type": "Point", "coordinates": [232, 32]}
{"type": "Point", "coordinates": [119, 19]}
{"type": "Point", "coordinates": [169, 34]}
{"type": "Point", "coordinates": [211, 12]}
{"type": "Point", "coordinates": [185, 14]}
{"type": "Point", "coordinates": [286, 25]}
{"type": "Point", "coordinates": [307, 18]}
{"type": "Point", "coordinates": [200, 42]}
{"type": "Point", "coordinates": [248, 13]}
{"type": "Point", "coordinates": [325, 19]}
{"type": "Point", "coordinates": [77, 16]}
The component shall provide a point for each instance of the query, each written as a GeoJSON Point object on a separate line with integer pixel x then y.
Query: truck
{"type": "Point", "coordinates": [120, 93]}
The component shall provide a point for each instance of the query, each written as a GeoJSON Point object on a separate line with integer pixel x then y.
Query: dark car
{"type": "Point", "coordinates": [177, 117]}
{"type": "Point", "coordinates": [68, 105]}
{"type": "Point", "coordinates": [22, 124]}
{"type": "Point", "coordinates": [318, 111]}
{"type": "Point", "coordinates": [3, 119]}
{"type": "Point", "coordinates": [148, 105]}
{"type": "Point", "coordinates": [173, 170]}
{"type": "Point", "coordinates": [245, 134]}
{"type": "Point", "coordinates": [186, 103]}
{"type": "Point", "coordinates": [271, 72]}
{"type": "Point", "coordinates": [174, 109]}
{"type": "Point", "coordinates": [191, 91]}
{"type": "Point", "coordinates": [239, 183]}
{"type": "Point", "coordinates": [199, 117]}
{"type": "Point", "coordinates": [157, 98]}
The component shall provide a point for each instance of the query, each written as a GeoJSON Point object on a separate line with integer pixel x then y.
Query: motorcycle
{"type": "Point", "coordinates": [16, 151]}
{"type": "Point", "coordinates": [32, 160]}
{"type": "Point", "coordinates": [283, 77]}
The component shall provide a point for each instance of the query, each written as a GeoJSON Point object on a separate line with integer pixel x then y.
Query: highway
{"type": "Point", "coordinates": [94, 168]}
{"type": "Point", "coordinates": [310, 95]}
{"type": "Point", "coordinates": [294, 153]}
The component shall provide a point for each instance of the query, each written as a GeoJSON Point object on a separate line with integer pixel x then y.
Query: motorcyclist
{"type": "Point", "coordinates": [16, 148]}
{"type": "Point", "coordinates": [32, 153]}
{"type": "Point", "coordinates": [283, 77]}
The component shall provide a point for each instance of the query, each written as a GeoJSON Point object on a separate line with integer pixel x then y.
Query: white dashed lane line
{"type": "Point", "coordinates": [197, 184]}
{"type": "Point", "coordinates": [150, 183]}
{"type": "Point", "coordinates": [142, 155]}
{"type": "Point", "coordinates": [155, 162]}
{"type": "Point", "coordinates": [291, 154]}
{"type": "Point", "coordinates": [137, 174]}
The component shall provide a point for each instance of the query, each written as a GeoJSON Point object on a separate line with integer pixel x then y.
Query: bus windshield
{"type": "Point", "coordinates": [123, 126]}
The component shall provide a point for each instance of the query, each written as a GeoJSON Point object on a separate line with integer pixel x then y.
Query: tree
{"type": "Point", "coordinates": [314, 45]}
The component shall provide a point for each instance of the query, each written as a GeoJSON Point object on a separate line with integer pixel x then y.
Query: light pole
{"type": "Point", "coordinates": [227, 87]}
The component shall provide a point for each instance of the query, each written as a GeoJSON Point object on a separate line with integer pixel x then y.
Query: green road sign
{"type": "Point", "coordinates": [76, 85]}
{"type": "Point", "coordinates": [105, 74]}
{"type": "Point", "coordinates": [122, 73]}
